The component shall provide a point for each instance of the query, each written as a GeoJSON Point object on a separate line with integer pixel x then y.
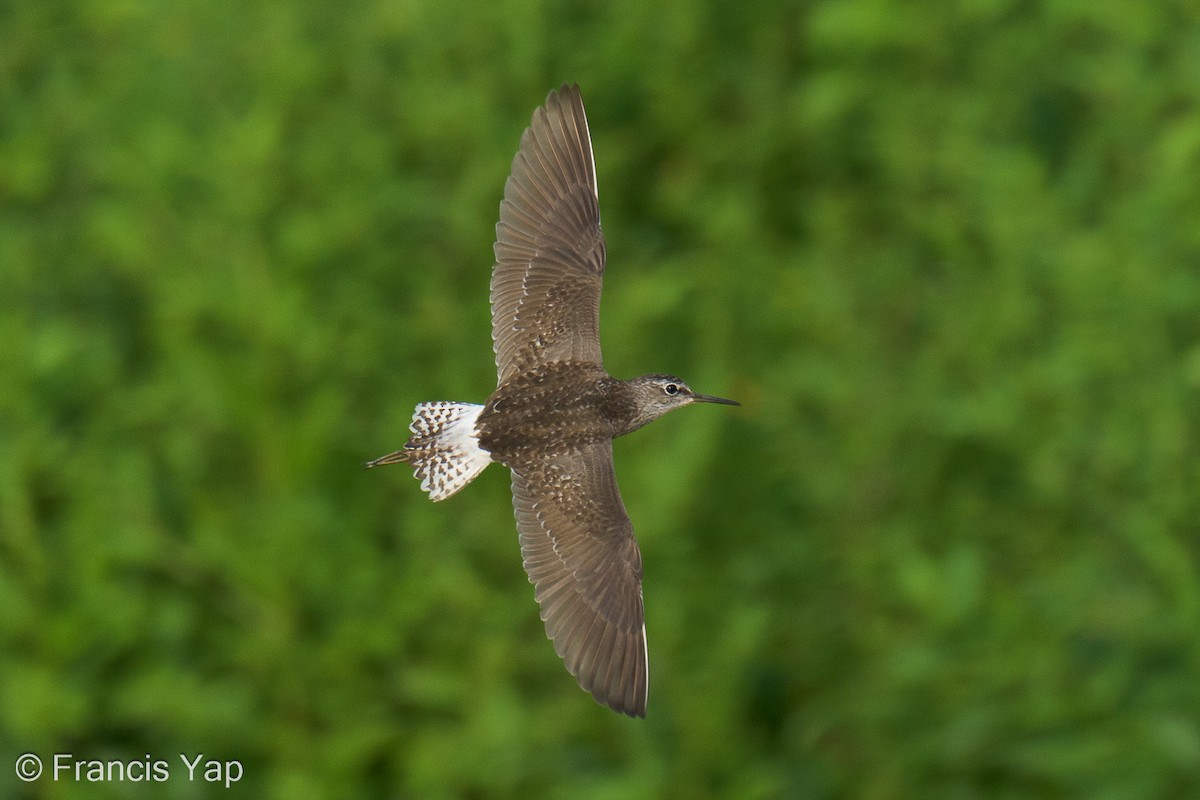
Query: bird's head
{"type": "Point", "coordinates": [657, 394]}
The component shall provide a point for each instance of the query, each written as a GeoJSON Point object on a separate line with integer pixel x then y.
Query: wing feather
{"type": "Point", "coordinates": [581, 555]}
{"type": "Point", "coordinates": [550, 251]}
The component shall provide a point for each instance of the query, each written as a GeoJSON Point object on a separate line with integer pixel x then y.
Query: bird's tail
{"type": "Point", "coordinates": [444, 448]}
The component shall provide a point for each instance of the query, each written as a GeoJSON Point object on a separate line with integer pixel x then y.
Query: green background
{"type": "Point", "coordinates": [946, 255]}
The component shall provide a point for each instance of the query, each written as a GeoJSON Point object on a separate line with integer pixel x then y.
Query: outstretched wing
{"type": "Point", "coordinates": [549, 248]}
{"type": "Point", "coordinates": [583, 561]}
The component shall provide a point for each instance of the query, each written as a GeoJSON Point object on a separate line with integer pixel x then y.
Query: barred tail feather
{"type": "Point", "coordinates": [444, 449]}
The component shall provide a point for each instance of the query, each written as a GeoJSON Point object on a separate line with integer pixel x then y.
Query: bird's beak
{"type": "Point", "coordinates": [708, 398]}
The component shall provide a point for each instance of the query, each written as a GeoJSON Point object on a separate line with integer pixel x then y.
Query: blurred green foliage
{"type": "Point", "coordinates": [947, 255]}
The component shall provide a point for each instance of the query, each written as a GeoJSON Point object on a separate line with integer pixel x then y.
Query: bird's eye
{"type": "Point", "coordinates": [671, 389]}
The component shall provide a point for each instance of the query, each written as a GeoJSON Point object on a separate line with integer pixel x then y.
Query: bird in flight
{"type": "Point", "coordinates": [555, 412]}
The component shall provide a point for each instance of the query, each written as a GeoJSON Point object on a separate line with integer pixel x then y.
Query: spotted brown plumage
{"type": "Point", "coordinates": [555, 411]}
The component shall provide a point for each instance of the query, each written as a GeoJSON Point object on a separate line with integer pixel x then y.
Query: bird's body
{"type": "Point", "coordinates": [555, 411]}
{"type": "Point", "coordinates": [563, 405]}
